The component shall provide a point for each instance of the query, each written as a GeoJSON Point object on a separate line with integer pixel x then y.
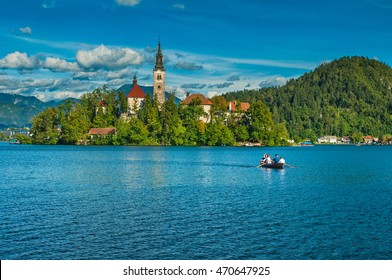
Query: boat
{"type": "Point", "coordinates": [273, 165]}
{"type": "Point", "coordinates": [14, 141]}
{"type": "Point", "coordinates": [307, 144]}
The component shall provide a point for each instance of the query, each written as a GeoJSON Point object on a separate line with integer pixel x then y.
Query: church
{"type": "Point", "coordinates": [137, 94]}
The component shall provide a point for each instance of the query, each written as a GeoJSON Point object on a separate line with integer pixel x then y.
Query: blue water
{"type": "Point", "coordinates": [66, 202]}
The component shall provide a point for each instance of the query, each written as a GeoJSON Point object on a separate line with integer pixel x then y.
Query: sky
{"type": "Point", "coordinates": [54, 49]}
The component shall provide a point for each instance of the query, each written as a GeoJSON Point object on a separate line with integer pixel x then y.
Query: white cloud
{"type": "Point", "coordinates": [187, 66]}
{"type": "Point", "coordinates": [111, 59]}
{"type": "Point", "coordinates": [58, 65]}
{"type": "Point", "coordinates": [26, 30]}
{"type": "Point", "coordinates": [131, 3]}
{"type": "Point", "coordinates": [273, 82]}
{"type": "Point", "coordinates": [179, 6]}
{"type": "Point", "coordinates": [123, 73]}
{"type": "Point", "coordinates": [18, 60]}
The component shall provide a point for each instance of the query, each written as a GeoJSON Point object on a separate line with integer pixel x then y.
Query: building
{"type": "Point", "coordinates": [328, 140]}
{"type": "Point", "coordinates": [205, 104]}
{"type": "Point", "coordinates": [137, 94]}
{"type": "Point", "coordinates": [101, 105]}
{"type": "Point", "coordinates": [233, 106]}
{"type": "Point", "coordinates": [135, 97]}
{"type": "Point", "coordinates": [102, 131]}
{"type": "Point", "coordinates": [159, 77]}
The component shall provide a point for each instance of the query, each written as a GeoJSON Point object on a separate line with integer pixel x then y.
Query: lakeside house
{"type": "Point", "coordinates": [234, 106]}
{"type": "Point", "coordinates": [102, 132]}
{"type": "Point", "coordinates": [205, 104]}
{"type": "Point", "coordinates": [368, 139]}
{"type": "Point", "coordinates": [327, 140]}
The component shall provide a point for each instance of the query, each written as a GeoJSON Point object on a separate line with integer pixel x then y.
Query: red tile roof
{"type": "Point", "coordinates": [102, 131]}
{"type": "Point", "coordinates": [245, 106]}
{"type": "Point", "coordinates": [203, 99]}
{"type": "Point", "coordinates": [136, 92]}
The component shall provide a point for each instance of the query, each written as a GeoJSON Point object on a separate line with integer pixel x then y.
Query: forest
{"type": "Point", "coordinates": [351, 96]}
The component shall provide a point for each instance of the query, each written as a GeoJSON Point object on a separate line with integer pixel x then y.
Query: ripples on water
{"type": "Point", "coordinates": [61, 202]}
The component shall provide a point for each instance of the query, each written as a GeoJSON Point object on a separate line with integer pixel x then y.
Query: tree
{"type": "Point", "coordinates": [3, 137]}
{"type": "Point", "coordinates": [173, 131]}
{"type": "Point", "coordinates": [75, 125]}
{"type": "Point", "coordinates": [46, 127]}
{"type": "Point", "coordinates": [261, 124]}
{"type": "Point", "coordinates": [23, 138]}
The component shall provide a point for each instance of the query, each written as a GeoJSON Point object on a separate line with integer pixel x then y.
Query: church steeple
{"type": "Point", "coordinates": [134, 79]}
{"type": "Point", "coordinates": [159, 76]}
{"type": "Point", "coordinates": [159, 58]}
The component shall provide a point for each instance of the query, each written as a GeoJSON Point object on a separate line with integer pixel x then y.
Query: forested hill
{"type": "Point", "coordinates": [349, 95]}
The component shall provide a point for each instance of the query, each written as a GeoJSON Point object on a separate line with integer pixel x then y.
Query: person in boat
{"type": "Point", "coordinates": [268, 159]}
{"type": "Point", "coordinates": [262, 161]}
{"type": "Point", "coordinates": [281, 160]}
{"type": "Point", "coordinates": [276, 158]}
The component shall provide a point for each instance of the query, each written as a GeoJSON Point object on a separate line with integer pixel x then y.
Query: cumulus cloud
{"type": "Point", "coordinates": [179, 6]}
{"type": "Point", "coordinates": [58, 65]}
{"type": "Point", "coordinates": [26, 30]}
{"type": "Point", "coordinates": [179, 55]}
{"type": "Point", "coordinates": [183, 65]}
{"type": "Point", "coordinates": [233, 78]}
{"type": "Point", "coordinates": [194, 86]}
{"type": "Point", "coordinates": [18, 60]}
{"type": "Point", "coordinates": [221, 85]}
{"type": "Point", "coordinates": [273, 82]}
{"type": "Point", "coordinates": [110, 59]}
{"type": "Point", "coordinates": [123, 73]}
{"type": "Point", "coordinates": [130, 3]}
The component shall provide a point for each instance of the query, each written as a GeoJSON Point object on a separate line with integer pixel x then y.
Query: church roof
{"type": "Point", "coordinates": [203, 99]}
{"type": "Point", "coordinates": [136, 92]}
{"type": "Point", "coordinates": [148, 90]}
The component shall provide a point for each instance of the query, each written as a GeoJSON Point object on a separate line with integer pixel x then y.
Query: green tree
{"type": "Point", "coordinates": [261, 125]}
{"type": "Point", "coordinates": [23, 138]}
{"type": "Point", "coordinates": [173, 132]}
{"type": "Point", "coordinates": [46, 127]}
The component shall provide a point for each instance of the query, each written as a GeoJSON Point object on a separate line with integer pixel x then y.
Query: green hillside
{"type": "Point", "coordinates": [349, 95]}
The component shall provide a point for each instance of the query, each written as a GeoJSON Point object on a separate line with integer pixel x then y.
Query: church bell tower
{"type": "Point", "coordinates": [159, 76]}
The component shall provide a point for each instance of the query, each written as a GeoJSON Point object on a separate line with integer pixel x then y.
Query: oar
{"type": "Point", "coordinates": [291, 166]}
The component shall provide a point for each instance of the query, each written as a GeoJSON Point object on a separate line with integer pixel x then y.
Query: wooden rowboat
{"type": "Point", "coordinates": [273, 165]}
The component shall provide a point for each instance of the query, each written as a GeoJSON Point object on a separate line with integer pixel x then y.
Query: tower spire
{"type": "Point", "coordinates": [134, 79]}
{"type": "Point", "coordinates": [159, 57]}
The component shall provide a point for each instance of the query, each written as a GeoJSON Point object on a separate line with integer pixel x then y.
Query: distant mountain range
{"type": "Point", "coordinates": [18, 110]}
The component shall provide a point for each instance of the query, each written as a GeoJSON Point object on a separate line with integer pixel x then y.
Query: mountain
{"type": "Point", "coordinates": [346, 96]}
{"type": "Point", "coordinates": [18, 110]}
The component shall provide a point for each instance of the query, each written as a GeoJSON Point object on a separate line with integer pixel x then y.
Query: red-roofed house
{"type": "Point", "coordinates": [205, 103]}
{"type": "Point", "coordinates": [135, 97]}
{"type": "Point", "coordinates": [102, 131]}
{"type": "Point", "coordinates": [232, 106]}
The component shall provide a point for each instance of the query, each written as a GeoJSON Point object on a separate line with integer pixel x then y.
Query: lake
{"type": "Point", "coordinates": [101, 202]}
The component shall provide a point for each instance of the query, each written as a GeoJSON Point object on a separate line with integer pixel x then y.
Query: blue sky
{"type": "Point", "coordinates": [54, 49]}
